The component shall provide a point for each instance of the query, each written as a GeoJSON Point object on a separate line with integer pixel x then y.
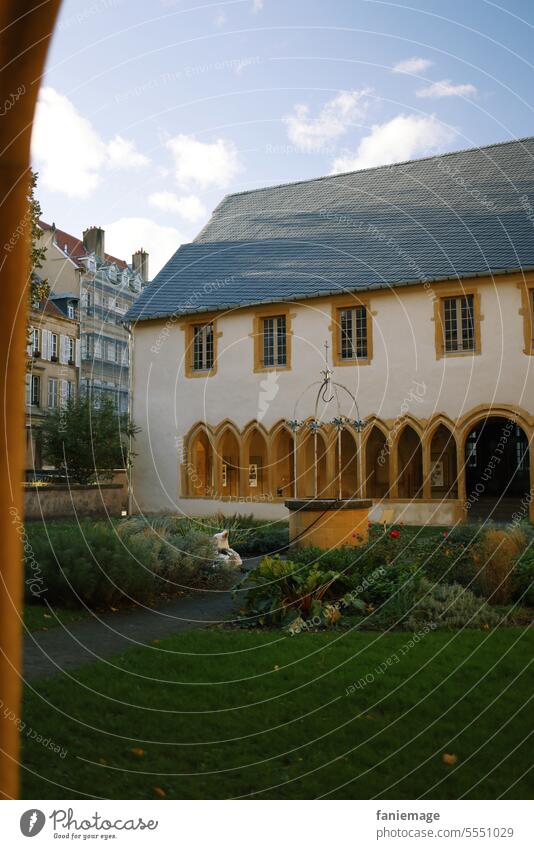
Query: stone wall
{"type": "Point", "coordinates": [60, 501]}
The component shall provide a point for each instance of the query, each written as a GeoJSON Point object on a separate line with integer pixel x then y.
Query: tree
{"type": "Point", "coordinates": [83, 439]}
{"type": "Point", "coordinates": [38, 288]}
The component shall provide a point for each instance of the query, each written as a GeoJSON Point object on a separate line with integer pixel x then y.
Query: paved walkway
{"type": "Point", "coordinates": [67, 646]}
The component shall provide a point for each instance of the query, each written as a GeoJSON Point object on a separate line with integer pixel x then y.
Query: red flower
{"type": "Point", "coordinates": [445, 534]}
{"type": "Point", "coordinates": [394, 534]}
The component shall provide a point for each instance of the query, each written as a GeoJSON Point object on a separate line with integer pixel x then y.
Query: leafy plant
{"type": "Point", "coordinates": [280, 591]}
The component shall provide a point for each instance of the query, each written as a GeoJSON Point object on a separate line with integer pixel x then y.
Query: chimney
{"type": "Point", "coordinates": [93, 241]}
{"type": "Point", "coordinates": [140, 264]}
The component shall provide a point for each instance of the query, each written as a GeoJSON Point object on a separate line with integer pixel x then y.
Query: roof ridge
{"type": "Point", "coordinates": [374, 168]}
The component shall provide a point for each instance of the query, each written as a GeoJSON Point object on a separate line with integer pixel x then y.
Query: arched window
{"type": "Point", "coordinates": [257, 462]}
{"type": "Point", "coordinates": [283, 464]}
{"type": "Point", "coordinates": [228, 456]}
{"type": "Point", "coordinates": [443, 464]}
{"type": "Point", "coordinates": [410, 459]}
{"type": "Point", "coordinates": [310, 465]}
{"type": "Point", "coordinates": [376, 464]}
{"type": "Point", "coordinates": [349, 466]}
{"type": "Point", "coordinates": [199, 467]}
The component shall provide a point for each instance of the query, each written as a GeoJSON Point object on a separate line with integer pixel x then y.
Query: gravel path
{"type": "Point", "coordinates": [67, 646]}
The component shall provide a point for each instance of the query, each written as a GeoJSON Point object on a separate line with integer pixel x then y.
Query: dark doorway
{"type": "Point", "coordinates": [497, 469]}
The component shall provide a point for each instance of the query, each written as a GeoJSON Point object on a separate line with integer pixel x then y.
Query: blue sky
{"type": "Point", "coordinates": [151, 112]}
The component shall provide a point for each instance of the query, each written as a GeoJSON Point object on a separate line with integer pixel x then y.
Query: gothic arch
{"type": "Point", "coordinates": [409, 453]}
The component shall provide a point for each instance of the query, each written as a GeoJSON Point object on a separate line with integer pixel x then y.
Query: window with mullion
{"type": "Point", "coordinates": [202, 347]}
{"type": "Point", "coordinates": [274, 341]}
{"type": "Point", "coordinates": [459, 324]}
{"type": "Point", "coordinates": [353, 336]}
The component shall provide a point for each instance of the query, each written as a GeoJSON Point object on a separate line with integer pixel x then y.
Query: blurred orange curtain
{"type": "Point", "coordinates": [25, 30]}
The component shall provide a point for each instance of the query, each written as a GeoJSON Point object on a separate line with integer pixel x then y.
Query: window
{"type": "Point", "coordinates": [97, 349]}
{"type": "Point", "coordinates": [274, 341]}
{"type": "Point", "coordinates": [35, 394]}
{"type": "Point", "coordinates": [353, 333]}
{"type": "Point", "coordinates": [52, 392]}
{"type": "Point", "coordinates": [352, 328]}
{"type": "Point", "coordinates": [35, 341]}
{"type": "Point", "coordinates": [459, 324]}
{"type": "Point", "coordinates": [472, 450]}
{"type": "Point", "coordinates": [70, 348]}
{"type": "Point", "coordinates": [203, 347]}
{"type": "Point", "coordinates": [54, 346]}
{"type": "Point", "coordinates": [71, 311]}
{"type": "Point", "coordinates": [67, 391]}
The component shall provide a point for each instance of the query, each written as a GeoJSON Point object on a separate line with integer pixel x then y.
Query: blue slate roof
{"type": "Point", "coordinates": [454, 215]}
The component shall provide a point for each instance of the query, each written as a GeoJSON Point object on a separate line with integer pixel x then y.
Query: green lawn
{"type": "Point", "coordinates": [40, 617]}
{"type": "Point", "coordinates": [223, 714]}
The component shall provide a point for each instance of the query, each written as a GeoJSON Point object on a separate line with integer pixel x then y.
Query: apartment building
{"type": "Point", "coordinates": [105, 287]}
{"type": "Point", "coordinates": [54, 358]}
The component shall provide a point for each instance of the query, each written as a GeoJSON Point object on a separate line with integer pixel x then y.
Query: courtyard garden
{"type": "Point", "coordinates": [398, 669]}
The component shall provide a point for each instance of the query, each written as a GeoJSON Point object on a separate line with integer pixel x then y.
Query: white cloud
{"type": "Point", "coordinates": [404, 137]}
{"type": "Point", "coordinates": [333, 120]}
{"type": "Point", "coordinates": [412, 66]}
{"type": "Point", "coordinates": [444, 88]}
{"type": "Point", "coordinates": [189, 207]}
{"type": "Point", "coordinates": [220, 19]}
{"type": "Point", "coordinates": [257, 6]}
{"type": "Point", "coordinates": [68, 151]}
{"type": "Point", "coordinates": [122, 154]}
{"type": "Point", "coordinates": [126, 235]}
{"type": "Point", "coordinates": [202, 163]}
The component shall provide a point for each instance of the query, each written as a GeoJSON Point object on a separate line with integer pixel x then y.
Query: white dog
{"type": "Point", "coordinates": [224, 552]}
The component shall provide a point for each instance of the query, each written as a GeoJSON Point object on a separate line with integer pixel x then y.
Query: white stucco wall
{"type": "Point", "coordinates": [404, 370]}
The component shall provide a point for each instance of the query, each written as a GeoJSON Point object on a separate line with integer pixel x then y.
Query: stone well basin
{"type": "Point", "coordinates": [328, 522]}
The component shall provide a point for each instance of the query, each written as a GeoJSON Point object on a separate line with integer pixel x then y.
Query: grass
{"type": "Point", "coordinates": [224, 714]}
{"type": "Point", "coordinates": [39, 617]}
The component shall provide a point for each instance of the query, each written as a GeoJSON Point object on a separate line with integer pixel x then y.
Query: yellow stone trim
{"type": "Point", "coordinates": [187, 326]}
{"type": "Point", "coordinates": [349, 302]}
{"type": "Point", "coordinates": [457, 291]}
{"type": "Point", "coordinates": [259, 314]}
{"type": "Point", "coordinates": [526, 310]}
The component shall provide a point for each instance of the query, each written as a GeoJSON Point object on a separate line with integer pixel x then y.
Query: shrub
{"type": "Point", "coordinates": [281, 591]}
{"type": "Point", "coordinates": [89, 564]}
{"type": "Point", "coordinates": [184, 555]}
{"type": "Point", "coordinates": [494, 557]}
{"type": "Point", "coordinates": [523, 579]}
{"type": "Point", "coordinates": [449, 606]}
{"type": "Point", "coordinates": [188, 558]}
{"type": "Point", "coordinates": [246, 534]}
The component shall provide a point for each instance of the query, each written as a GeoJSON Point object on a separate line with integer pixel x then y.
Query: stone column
{"type": "Point", "coordinates": [426, 445]}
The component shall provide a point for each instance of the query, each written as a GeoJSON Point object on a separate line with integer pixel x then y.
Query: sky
{"type": "Point", "coordinates": [151, 111]}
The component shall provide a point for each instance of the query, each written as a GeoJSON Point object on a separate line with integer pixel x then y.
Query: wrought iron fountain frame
{"type": "Point", "coordinates": [326, 386]}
